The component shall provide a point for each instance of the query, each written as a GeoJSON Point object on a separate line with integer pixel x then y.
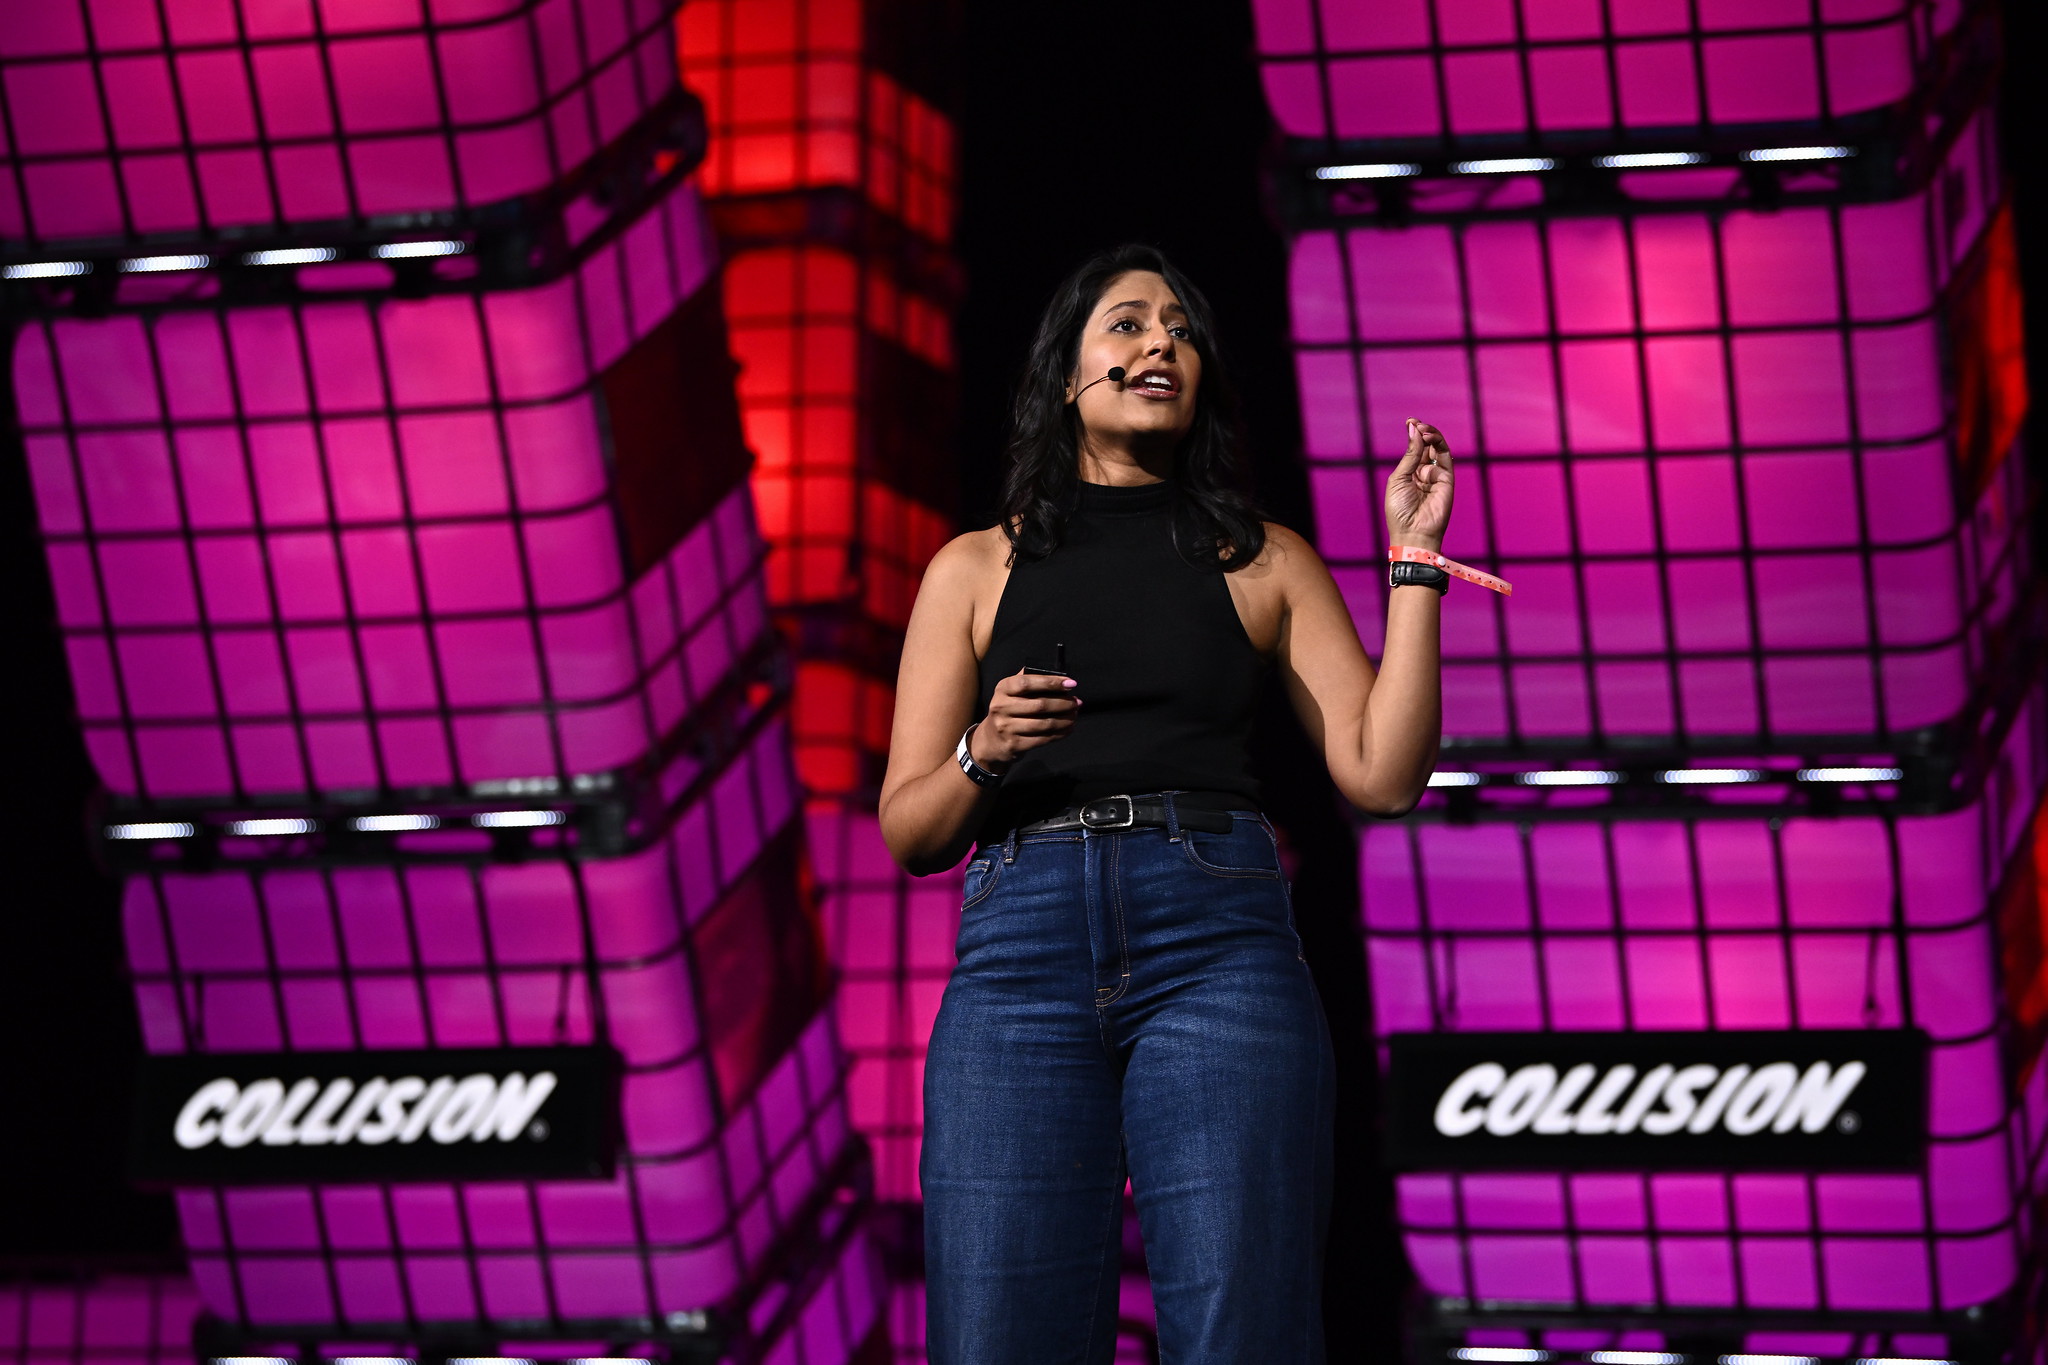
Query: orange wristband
{"type": "Point", "coordinates": [1407, 554]}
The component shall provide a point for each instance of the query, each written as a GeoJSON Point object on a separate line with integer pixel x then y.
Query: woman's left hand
{"type": "Point", "coordinates": [1419, 492]}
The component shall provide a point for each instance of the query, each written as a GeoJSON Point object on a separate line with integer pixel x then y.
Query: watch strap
{"type": "Point", "coordinates": [1424, 575]}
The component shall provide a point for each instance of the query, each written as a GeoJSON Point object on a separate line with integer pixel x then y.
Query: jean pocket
{"type": "Point", "coordinates": [982, 875]}
{"type": "Point", "coordinates": [1247, 851]}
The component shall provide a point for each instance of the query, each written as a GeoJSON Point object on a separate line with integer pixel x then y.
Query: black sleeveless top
{"type": "Point", "coordinates": [1168, 679]}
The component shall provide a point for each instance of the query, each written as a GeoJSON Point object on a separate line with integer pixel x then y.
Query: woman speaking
{"type": "Point", "coordinates": [1075, 704]}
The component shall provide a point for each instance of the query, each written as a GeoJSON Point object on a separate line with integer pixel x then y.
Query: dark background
{"type": "Point", "coordinates": [1084, 125]}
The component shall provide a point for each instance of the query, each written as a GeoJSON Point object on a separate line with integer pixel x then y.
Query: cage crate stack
{"type": "Point", "coordinates": [373, 378]}
{"type": "Point", "coordinates": [831, 175]}
{"type": "Point", "coordinates": [1719, 306]}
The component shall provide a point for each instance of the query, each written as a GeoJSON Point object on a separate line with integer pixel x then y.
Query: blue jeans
{"type": "Point", "coordinates": [1131, 1002]}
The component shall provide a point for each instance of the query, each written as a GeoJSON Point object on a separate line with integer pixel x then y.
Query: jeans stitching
{"type": "Point", "coordinates": [1187, 846]}
{"type": "Point", "coordinates": [995, 874]}
{"type": "Point", "coordinates": [1123, 942]}
{"type": "Point", "coordinates": [1092, 898]}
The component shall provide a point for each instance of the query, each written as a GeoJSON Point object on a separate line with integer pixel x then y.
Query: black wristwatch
{"type": "Point", "coordinates": [964, 756]}
{"type": "Point", "coordinates": [1429, 575]}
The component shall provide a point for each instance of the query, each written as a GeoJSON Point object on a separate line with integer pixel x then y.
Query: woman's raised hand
{"type": "Point", "coordinates": [1419, 491]}
{"type": "Point", "coordinates": [1028, 710]}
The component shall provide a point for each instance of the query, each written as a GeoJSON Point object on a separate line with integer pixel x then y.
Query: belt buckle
{"type": "Point", "coordinates": [1088, 820]}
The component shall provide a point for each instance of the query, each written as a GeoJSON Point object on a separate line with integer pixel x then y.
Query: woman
{"type": "Point", "coordinates": [1075, 701]}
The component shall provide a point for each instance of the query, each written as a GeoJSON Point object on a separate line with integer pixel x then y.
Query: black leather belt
{"type": "Point", "coordinates": [1128, 812]}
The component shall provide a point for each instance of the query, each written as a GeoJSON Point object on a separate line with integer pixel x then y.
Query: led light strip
{"type": "Point", "coordinates": [1792, 154]}
{"type": "Point", "coordinates": [518, 819]}
{"type": "Point", "coordinates": [46, 270]}
{"type": "Point", "coordinates": [1571, 777]}
{"type": "Point", "coordinates": [302, 255]}
{"type": "Point", "coordinates": [159, 829]}
{"type": "Point", "coordinates": [1382, 170]}
{"type": "Point", "coordinates": [1674, 777]}
{"type": "Point", "coordinates": [258, 828]}
{"type": "Point", "coordinates": [1505, 165]}
{"type": "Point", "coordinates": [1850, 774]}
{"type": "Point", "coordinates": [1408, 554]}
{"type": "Point", "coordinates": [1630, 161]}
{"type": "Point", "coordinates": [1697, 777]}
{"type": "Point", "coordinates": [1615, 161]}
{"type": "Point", "coordinates": [271, 826]}
{"type": "Point", "coordinates": [150, 265]}
{"type": "Point", "coordinates": [401, 251]}
{"type": "Point", "coordinates": [297, 255]}
{"type": "Point", "coordinates": [387, 824]}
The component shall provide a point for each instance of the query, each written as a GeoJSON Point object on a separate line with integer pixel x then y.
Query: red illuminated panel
{"type": "Point", "coordinates": [195, 115]}
{"type": "Point", "coordinates": [841, 721]}
{"type": "Point", "coordinates": [1986, 327]}
{"type": "Point", "coordinates": [849, 517]}
{"type": "Point", "coordinates": [794, 103]}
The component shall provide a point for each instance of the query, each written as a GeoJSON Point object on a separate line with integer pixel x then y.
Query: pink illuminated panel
{"type": "Point", "coordinates": [347, 546]}
{"type": "Point", "coordinates": [1853, 922]}
{"type": "Point", "coordinates": [694, 958]}
{"type": "Point", "coordinates": [1713, 452]}
{"type": "Point", "coordinates": [1445, 70]}
{"type": "Point", "coordinates": [116, 1319]}
{"type": "Point", "coordinates": [196, 115]}
{"type": "Point", "coordinates": [841, 1321]}
{"type": "Point", "coordinates": [891, 936]}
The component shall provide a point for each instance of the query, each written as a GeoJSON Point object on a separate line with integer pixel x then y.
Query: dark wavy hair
{"type": "Point", "coordinates": [1215, 522]}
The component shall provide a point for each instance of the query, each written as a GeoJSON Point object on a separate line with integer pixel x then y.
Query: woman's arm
{"type": "Point", "coordinates": [1379, 734]}
{"type": "Point", "coordinates": [930, 809]}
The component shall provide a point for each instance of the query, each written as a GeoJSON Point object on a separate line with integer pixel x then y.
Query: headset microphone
{"type": "Point", "coordinates": [1115, 376]}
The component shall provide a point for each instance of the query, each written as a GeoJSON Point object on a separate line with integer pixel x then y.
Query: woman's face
{"type": "Point", "coordinates": [1137, 324]}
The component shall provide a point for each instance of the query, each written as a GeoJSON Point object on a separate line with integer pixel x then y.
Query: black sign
{"type": "Point", "coordinates": [268, 1118]}
{"type": "Point", "coordinates": [1735, 1101]}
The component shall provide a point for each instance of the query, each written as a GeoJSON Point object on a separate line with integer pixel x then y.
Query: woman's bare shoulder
{"type": "Point", "coordinates": [967, 562]}
{"type": "Point", "coordinates": [1286, 554]}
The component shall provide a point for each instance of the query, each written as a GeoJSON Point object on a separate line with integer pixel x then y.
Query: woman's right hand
{"type": "Point", "coordinates": [1029, 710]}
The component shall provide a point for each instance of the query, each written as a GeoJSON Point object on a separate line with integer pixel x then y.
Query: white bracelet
{"type": "Point", "coordinates": [978, 775]}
